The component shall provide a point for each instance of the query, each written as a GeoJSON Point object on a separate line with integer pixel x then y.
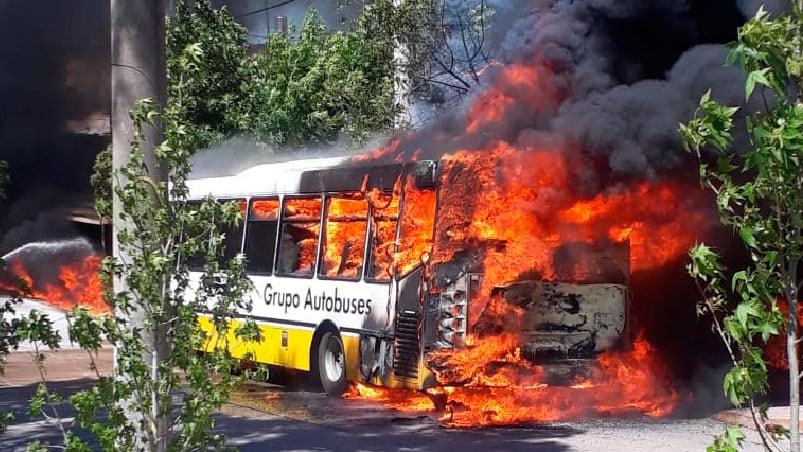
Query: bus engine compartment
{"type": "Point", "coordinates": [558, 302]}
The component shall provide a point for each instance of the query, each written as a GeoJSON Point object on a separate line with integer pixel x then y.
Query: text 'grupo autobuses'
{"type": "Point", "coordinates": [322, 302]}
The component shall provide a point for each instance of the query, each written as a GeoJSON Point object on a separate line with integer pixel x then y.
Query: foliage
{"type": "Point", "coordinates": [440, 47]}
{"type": "Point", "coordinates": [156, 311]}
{"type": "Point", "coordinates": [760, 195]}
{"type": "Point", "coordinates": [315, 87]}
{"type": "Point", "coordinates": [156, 304]}
{"type": "Point", "coordinates": [730, 441]}
{"type": "Point", "coordinates": [101, 182]}
{"type": "Point", "coordinates": [294, 91]}
{"type": "Point", "coordinates": [210, 70]}
{"type": "Point", "coordinates": [453, 50]}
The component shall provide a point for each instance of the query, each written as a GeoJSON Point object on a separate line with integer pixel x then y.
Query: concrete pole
{"type": "Point", "coordinates": [138, 72]}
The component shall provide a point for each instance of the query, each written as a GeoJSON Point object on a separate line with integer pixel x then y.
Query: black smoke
{"type": "Point", "coordinates": [622, 76]}
{"type": "Point", "coordinates": [54, 75]}
{"type": "Point", "coordinates": [616, 78]}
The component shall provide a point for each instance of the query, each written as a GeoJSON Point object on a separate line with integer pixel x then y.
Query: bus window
{"type": "Point", "coordinates": [344, 238]}
{"type": "Point", "coordinates": [232, 240]}
{"type": "Point", "coordinates": [298, 243]}
{"type": "Point", "coordinates": [195, 262]}
{"type": "Point", "coordinates": [233, 237]}
{"type": "Point", "coordinates": [384, 218]}
{"type": "Point", "coordinates": [260, 237]}
{"type": "Point", "coordinates": [416, 229]}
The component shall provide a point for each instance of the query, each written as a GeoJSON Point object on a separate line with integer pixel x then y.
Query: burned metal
{"type": "Point", "coordinates": [560, 324]}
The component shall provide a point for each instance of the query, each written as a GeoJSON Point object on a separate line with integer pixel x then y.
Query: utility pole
{"type": "Point", "coordinates": [138, 72]}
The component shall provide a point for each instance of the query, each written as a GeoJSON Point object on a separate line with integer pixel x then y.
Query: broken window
{"type": "Point", "coordinates": [416, 228]}
{"type": "Point", "coordinates": [260, 238]}
{"type": "Point", "coordinates": [344, 238]}
{"type": "Point", "coordinates": [384, 218]}
{"type": "Point", "coordinates": [298, 243]}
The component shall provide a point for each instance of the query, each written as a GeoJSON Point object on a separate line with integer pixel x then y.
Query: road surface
{"type": "Point", "coordinates": [263, 417]}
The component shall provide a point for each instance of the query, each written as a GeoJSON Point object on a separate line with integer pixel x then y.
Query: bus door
{"type": "Point", "coordinates": [413, 251]}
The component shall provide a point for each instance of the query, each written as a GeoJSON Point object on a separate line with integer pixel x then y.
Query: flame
{"type": "Point", "coordinates": [535, 209]}
{"type": "Point", "coordinates": [515, 84]}
{"type": "Point", "coordinates": [303, 218]}
{"type": "Point", "coordinates": [78, 284]}
{"type": "Point", "coordinates": [346, 223]}
{"type": "Point", "coordinates": [523, 208]}
{"type": "Point", "coordinates": [501, 388]}
{"type": "Point", "coordinates": [265, 210]}
{"type": "Point", "coordinates": [397, 399]}
{"type": "Point", "coordinates": [415, 234]}
{"type": "Point", "coordinates": [385, 219]}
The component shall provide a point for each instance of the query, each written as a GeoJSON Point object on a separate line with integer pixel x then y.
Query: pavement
{"type": "Point", "coordinates": [263, 416]}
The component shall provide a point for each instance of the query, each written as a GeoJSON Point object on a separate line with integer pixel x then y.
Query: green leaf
{"type": "Point", "coordinates": [747, 236]}
{"type": "Point", "coordinates": [767, 330]}
{"type": "Point", "coordinates": [756, 76]}
{"type": "Point", "coordinates": [738, 277]}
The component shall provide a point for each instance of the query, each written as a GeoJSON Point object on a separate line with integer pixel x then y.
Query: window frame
{"type": "Point", "coordinates": [248, 221]}
{"type": "Point", "coordinates": [372, 227]}
{"type": "Point", "coordinates": [324, 223]}
{"type": "Point", "coordinates": [244, 199]}
{"type": "Point", "coordinates": [283, 221]}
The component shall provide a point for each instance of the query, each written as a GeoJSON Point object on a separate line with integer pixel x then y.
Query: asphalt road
{"type": "Point", "coordinates": [265, 417]}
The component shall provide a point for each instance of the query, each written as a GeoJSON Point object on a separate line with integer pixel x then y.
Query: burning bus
{"type": "Point", "coordinates": [377, 272]}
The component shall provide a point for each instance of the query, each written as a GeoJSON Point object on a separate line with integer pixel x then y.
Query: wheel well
{"type": "Point", "coordinates": [327, 326]}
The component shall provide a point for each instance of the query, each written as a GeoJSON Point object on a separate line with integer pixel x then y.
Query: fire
{"type": "Point", "coordinates": [397, 399]}
{"type": "Point", "coordinates": [346, 224]}
{"type": "Point", "coordinates": [500, 388]}
{"type": "Point", "coordinates": [522, 207]}
{"type": "Point", "coordinates": [78, 284]}
{"type": "Point", "coordinates": [385, 218]}
{"type": "Point", "coordinates": [515, 84]}
{"type": "Point", "coordinates": [415, 235]}
{"type": "Point", "coordinates": [531, 206]}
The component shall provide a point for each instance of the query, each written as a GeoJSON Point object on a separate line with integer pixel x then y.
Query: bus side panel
{"type": "Point", "coordinates": [351, 347]}
{"type": "Point", "coordinates": [281, 346]}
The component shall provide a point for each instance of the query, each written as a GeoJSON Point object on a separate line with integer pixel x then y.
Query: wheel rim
{"type": "Point", "coordinates": [333, 362]}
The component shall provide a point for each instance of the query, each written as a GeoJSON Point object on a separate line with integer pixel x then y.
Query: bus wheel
{"type": "Point", "coordinates": [332, 365]}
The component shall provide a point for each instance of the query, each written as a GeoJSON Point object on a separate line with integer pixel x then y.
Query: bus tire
{"type": "Point", "coordinates": [332, 365]}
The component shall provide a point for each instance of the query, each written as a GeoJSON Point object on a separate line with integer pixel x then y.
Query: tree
{"type": "Point", "coordinates": [321, 86]}
{"type": "Point", "coordinates": [760, 195]}
{"type": "Point", "coordinates": [163, 231]}
{"type": "Point", "coordinates": [316, 87]}
{"type": "Point", "coordinates": [209, 68]}
{"type": "Point", "coordinates": [296, 91]}
{"type": "Point", "coordinates": [441, 46]}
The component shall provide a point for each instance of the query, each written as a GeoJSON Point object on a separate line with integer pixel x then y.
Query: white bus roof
{"type": "Point", "coordinates": [271, 178]}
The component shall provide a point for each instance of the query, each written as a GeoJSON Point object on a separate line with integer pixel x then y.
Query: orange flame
{"type": "Point", "coordinates": [521, 209]}
{"type": "Point", "coordinates": [397, 399]}
{"type": "Point", "coordinates": [504, 389]}
{"type": "Point", "coordinates": [415, 232]}
{"type": "Point", "coordinates": [78, 284]}
{"type": "Point", "coordinates": [346, 223]}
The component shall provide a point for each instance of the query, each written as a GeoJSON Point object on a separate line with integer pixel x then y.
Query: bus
{"type": "Point", "coordinates": [339, 254]}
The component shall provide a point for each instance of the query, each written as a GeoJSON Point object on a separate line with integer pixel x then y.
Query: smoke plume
{"type": "Point", "coordinates": [54, 102]}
